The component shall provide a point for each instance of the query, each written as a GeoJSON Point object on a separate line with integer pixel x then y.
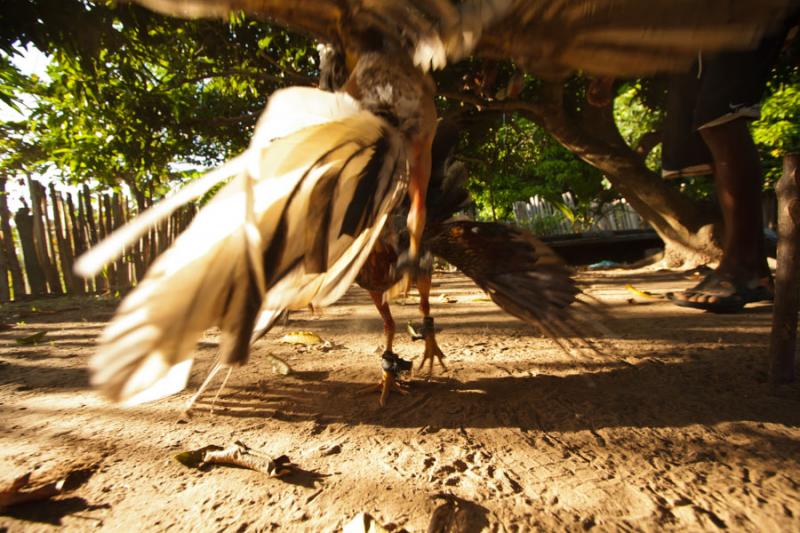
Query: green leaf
{"type": "Point", "coordinates": [35, 338]}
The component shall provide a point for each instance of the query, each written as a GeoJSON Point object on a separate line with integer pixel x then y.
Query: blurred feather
{"type": "Point", "coordinates": [546, 37]}
{"type": "Point", "coordinates": [248, 253]}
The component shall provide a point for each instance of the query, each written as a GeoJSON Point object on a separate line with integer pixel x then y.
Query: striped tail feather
{"type": "Point", "coordinates": [292, 229]}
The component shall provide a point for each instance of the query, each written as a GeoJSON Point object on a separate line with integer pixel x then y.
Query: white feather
{"type": "Point", "coordinates": [90, 263]}
{"type": "Point", "coordinates": [204, 279]}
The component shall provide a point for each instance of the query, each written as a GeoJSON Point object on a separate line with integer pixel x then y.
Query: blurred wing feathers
{"type": "Point", "coordinates": [250, 253]}
{"type": "Point", "coordinates": [519, 272]}
{"type": "Point", "coordinates": [315, 17]}
{"type": "Point", "coordinates": [608, 37]}
{"type": "Point", "coordinates": [547, 37]}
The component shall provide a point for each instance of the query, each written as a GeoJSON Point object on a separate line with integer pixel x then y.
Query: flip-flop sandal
{"type": "Point", "coordinates": [731, 297]}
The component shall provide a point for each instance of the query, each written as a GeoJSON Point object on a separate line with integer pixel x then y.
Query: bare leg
{"type": "Point", "coordinates": [737, 177]}
{"type": "Point", "coordinates": [432, 349]}
{"type": "Point", "coordinates": [417, 191]}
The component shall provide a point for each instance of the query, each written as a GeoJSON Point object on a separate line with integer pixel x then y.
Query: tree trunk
{"type": "Point", "coordinates": [783, 341]}
{"type": "Point", "coordinates": [17, 280]}
{"type": "Point", "coordinates": [690, 230]}
{"type": "Point", "coordinates": [40, 236]}
{"type": "Point", "coordinates": [36, 276]}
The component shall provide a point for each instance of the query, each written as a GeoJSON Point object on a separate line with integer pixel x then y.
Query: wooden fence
{"type": "Point", "coordinates": [546, 219]}
{"type": "Point", "coordinates": [40, 241]}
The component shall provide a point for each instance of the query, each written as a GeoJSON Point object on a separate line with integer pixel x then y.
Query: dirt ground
{"type": "Point", "coordinates": [673, 428]}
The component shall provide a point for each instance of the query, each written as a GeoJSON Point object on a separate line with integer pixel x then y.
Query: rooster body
{"type": "Point", "coordinates": [305, 206]}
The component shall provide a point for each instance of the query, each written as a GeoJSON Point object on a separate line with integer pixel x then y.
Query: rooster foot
{"type": "Point", "coordinates": [432, 350]}
{"type": "Point", "coordinates": [392, 366]}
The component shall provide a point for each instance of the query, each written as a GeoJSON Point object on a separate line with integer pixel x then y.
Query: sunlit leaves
{"type": "Point", "coordinates": [778, 130]}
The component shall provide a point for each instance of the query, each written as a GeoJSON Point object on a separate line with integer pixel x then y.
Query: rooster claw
{"type": "Point", "coordinates": [432, 350]}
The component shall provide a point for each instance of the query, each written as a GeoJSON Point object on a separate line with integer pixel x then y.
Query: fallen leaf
{"type": "Point", "coordinates": [644, 294]}
{"type": "Point", "coordinates": [237, 454]}
{"type": "Point", "coordinates": [36, 338]}
{"type": "Point", "coordinates": [21, 490]}
{"type": "Point", "coordinates": [307, 338]}
{"type": "Point", "coordinates": [195, 458]}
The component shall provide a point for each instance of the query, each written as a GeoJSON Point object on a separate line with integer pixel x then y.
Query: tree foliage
{"type": "Point", "coordinates": [147, 98]}
{"type": "Point", "coordinates": [517, 159]}
{"type": "Point", "coordinates": [778, 131]}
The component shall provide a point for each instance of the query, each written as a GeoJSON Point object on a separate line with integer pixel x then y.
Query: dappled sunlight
{"type": "Point", "coordinates": [515, 426]}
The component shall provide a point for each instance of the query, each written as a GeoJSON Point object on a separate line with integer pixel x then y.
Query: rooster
{"type": "Point", "coordinates": [302, 211]}
{"type": "Point", "coordinates": [308, 200]}
{"type": "Point", "coordinates": [519, 272]}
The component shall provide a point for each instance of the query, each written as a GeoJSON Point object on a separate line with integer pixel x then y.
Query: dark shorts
{"type": "Point", "coordinates": [716, 90]}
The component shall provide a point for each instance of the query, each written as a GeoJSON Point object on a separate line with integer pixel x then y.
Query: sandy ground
{"type": "Point", "coordinates": [673, 428]}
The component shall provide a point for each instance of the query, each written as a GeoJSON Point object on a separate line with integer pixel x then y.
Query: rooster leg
{"type": "Point", "coordinates": [428, 332]}
{"type": "Point", "coordinates": [420, 174]}
{"type": "Point", "coordinates": [392, 366]}
{"type": "Point", "coordinates": [391, 383]}
{"type": "Point", "coordinates": [386, 315]}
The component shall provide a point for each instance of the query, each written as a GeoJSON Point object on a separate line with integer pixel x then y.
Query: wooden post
{"type": "Point", "coordinates": [75, 226]}
{"type": "Point", "coordinates": [122, 280]}
{"type": "Point", "coordinates": [65, 254]}
{"type": "Point", "coordinates": [103, 280]}
{"type": "Point", "coordinates": [141, 246]}
{"type": "Point", "coordinates": [41, 238]}
{"type": "Point", "coordinates": [87, 204]}
{"type": "Point", "coordinates": [85, 235]}
{"type": "Point", "coordinates": [783, 340]}
{"type": "Point", "coordinates": [5, 288]}
{"type": "Point", "coordinates": [36, 277]}
{"type": "Point", "coordinates": [17, 280]}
